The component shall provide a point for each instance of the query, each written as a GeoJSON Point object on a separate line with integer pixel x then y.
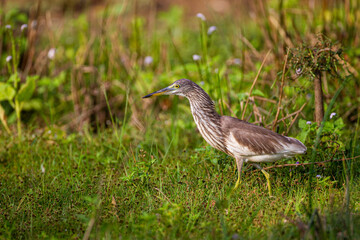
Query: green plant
{"type": "Point", "coordinates": [15, 92]}
{"type": "Point", "coordinates": [313, 61]}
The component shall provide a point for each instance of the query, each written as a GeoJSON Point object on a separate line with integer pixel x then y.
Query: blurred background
{"type": "Point", "coordinates": [86, 64]}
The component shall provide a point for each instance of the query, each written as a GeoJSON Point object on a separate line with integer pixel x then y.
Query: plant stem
{"type": "Point", "coordinates": [319, 102]}
{"type": "Point", "coordinates": [18, 117]}
{"type": "Point", "coordinates": [16, 81]}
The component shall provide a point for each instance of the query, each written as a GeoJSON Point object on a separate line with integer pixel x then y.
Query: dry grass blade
{"type": "Point", "coordinates": [163, 195]}
{"type": "Point", "coordinates": [291, 114]}
{"type": "Point", "coordinates": [304, 164]}
{"type": "Point", "coordinates": [89, 228]}
{"type": "Point", "coordinates": [254, 82]}
{"type": "Point", "coordinates": [249, 45]}
{"type": "Point", "coordinates": [281, 91]}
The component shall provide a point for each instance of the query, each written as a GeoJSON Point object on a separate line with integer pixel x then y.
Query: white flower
{"type": "Point", "coordinates": [298, 71]}
{"type": "Point", "coordinates": [8, 26]}
{"type": "Point", "coordinates": [8, 58]}
{"type": "Point", "coordinates": [201, 16]}
{"type": "Point", "coordinates": [318, 176]}
{"type": "Point", "coordinates": [51, 53]}
{"type": "Point", "coordinates": [196, 57]}
{"type": "Point", "coordinates": [148, 60]}
{"type": "Point", "coordinates": [237, 61]}
{"type": "Point", "coordinates": [332, 115]}
{"type": "Point", "coordinates": [211, 30]}
{"type": "Point", "coordinates": [42, 168]}
{"type": "Point", "coordinates": [23, 27]}
{"type": "Point", "coordinates": [308, 122]}
{"type": "Point", "coordinates": [33, 24]}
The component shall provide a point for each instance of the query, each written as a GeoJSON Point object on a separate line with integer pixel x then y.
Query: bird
{"type": "Point", "coordinates": [244, 141]}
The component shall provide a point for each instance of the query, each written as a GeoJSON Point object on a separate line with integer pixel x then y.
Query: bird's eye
{"type": "Point", "coordinates": [177, 86]}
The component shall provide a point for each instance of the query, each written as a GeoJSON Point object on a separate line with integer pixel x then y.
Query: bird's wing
{"type": "Point", "coordinates": [258, 140]}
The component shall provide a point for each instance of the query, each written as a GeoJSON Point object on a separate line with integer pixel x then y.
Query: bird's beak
{"type": "Point", "coordinates": [160, 92]}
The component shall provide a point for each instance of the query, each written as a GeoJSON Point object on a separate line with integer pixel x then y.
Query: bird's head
{"type": "Point", "coordinates": [180, 87]}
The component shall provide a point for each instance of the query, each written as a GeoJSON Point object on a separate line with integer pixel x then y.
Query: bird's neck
{"type": "Point", "coordinates": [202, 106]}
{"type": "Point", "coordinates": [207, 120]}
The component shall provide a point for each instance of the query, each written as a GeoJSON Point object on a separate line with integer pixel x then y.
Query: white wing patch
{"type": "Point", "coordinates": [235, 148]}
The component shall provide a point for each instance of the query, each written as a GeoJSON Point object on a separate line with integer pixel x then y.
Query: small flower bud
{"type": "Point", "coordinates": [8, 58]}
{"type": "Point", "coordinates": [51, 53]}
{"type": "Point", "coordinates": [211, 30]}
{"type": "Point", "coordinates": [33, 24]}
{"type": "Point", "coordinates": [196, 57]}
{"type": "Point", "coordinates": [148, 60]}
{"type": "Point", "coordinates": [201, 16]}
{"type": "Point", "coordinates": [237, 61]}
{"type": "Point", "coordinates": [23, 27]}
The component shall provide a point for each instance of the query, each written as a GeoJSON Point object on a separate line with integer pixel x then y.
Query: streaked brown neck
{"type": "Point", "coordinates": [207, 120]}
{"type": "Point", "coordinates": [202, 104]}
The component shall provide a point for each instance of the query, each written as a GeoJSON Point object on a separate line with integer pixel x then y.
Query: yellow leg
{"type": "Point", "coordinates": [239, 164]}
{"type": "Point", "coordinates": [267, 176]}
{"type": "Point", "coordinates": [237, 182]}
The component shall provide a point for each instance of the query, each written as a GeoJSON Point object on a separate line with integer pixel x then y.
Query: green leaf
{"type": "Point", "coordinates": [328, 127]}
{"type": "Point", "coordinates": [339, 123]}
{"type": "Point", "coordinates": [242, 96]}
{"type": "Point", "coordinates": [27, 89]}
{"type": "Point", "coordinates": [302, 124]}
{"type": "Point", "coordinates": [13, 78]}
{"type": "Point", "coordinates": [302, 136]}
{"type": "Point", "coordinates": [7, 92]}
{"type": "Point", "coordinates": [33, 104]}
{"type": "Point", "coordinates": [258, 92]}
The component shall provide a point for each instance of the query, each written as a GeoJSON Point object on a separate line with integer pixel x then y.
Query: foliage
{"type": "Point", "coordinates": [311, 60]}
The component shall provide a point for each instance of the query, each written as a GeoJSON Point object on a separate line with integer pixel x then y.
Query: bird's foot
{"type": "Point", "coordinates": [237, 184]}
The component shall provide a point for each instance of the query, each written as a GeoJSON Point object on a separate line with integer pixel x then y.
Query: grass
{"type": "Point", "coordinates": [68, 187]}
{"type": "Point", "coordinates": [83, 156]}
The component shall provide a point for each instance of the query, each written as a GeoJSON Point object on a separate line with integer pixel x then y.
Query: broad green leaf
{"type": "Point", "coordinates": [302, 136]}
{"type": "Point", "coordinates": [328, 127]}
{"type": "Point", "coordinates": [13, 78]}
{"type": "Point", "coordinates": [339, 123]}
{"type": "Point", "coordinates": [33, 104]}
{"type": "Point", "coordinates": [27, 89]}
{"type": "Point", "coordinates": [302, 124]}
{"type": "Point", "coordinates": [7, 92]}
{"type": "Point", "coordinates": [258, 92]}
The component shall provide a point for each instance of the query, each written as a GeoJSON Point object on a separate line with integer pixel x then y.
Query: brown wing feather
{"type": "Point", "coordinates": [258, 139]}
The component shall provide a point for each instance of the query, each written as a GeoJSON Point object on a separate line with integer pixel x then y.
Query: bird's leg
{"type": "Point", "coordinates": [267, 175]}
{"type": "Point", "coordinates": [239, 164]}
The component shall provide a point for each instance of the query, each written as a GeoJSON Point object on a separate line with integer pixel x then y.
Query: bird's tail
{"type": "Point", "coordinates": [297, 146]}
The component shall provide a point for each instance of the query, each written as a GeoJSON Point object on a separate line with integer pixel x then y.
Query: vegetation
{"type": "Point", "coordinates": [83, 156]}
